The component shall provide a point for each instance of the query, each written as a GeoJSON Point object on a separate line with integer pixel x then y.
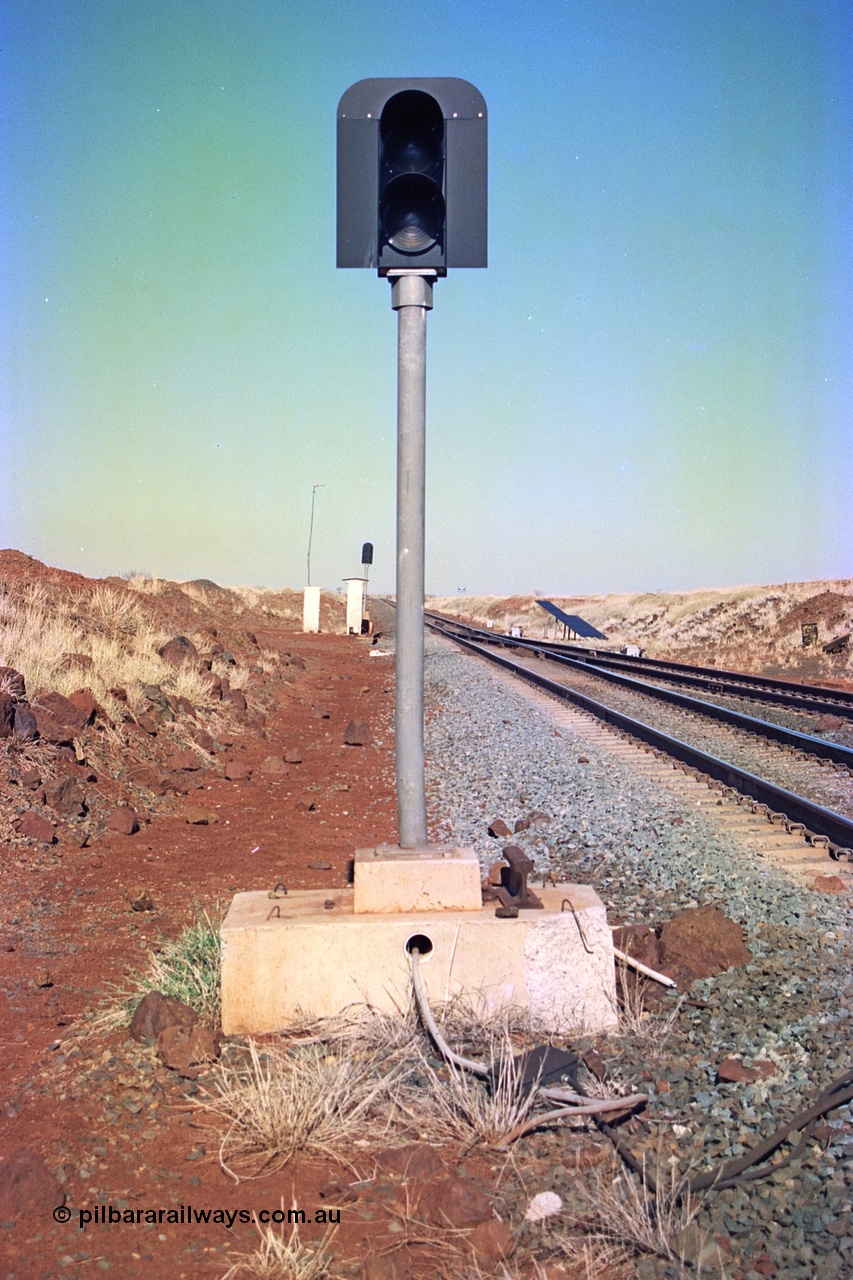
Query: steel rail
{"type": "Point", "coordinates": [833, 751]}
{"type": "Point", "coordinates": [730, 683]}
{"type": "Point", "coordinates": [817, 820]}
{"type": "Point", "coordinates": [825, 750]}
{"type": "Point", "coordinates": [738, 683]}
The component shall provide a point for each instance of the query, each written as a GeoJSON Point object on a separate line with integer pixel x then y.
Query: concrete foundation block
{"type": "Point", "coordinates": [311, 954]}
{"type": "Point", "coordinates": [391, 880]}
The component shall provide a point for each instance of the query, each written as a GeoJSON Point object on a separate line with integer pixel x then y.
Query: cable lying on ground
{"type": "Point", "coordinates": [742, 1169]}
{"type": "Point", "coordinates": [574, 1104]}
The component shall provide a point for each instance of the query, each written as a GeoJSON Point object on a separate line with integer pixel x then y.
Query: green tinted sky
{"type": "Point", "coordinates": [649, 387]}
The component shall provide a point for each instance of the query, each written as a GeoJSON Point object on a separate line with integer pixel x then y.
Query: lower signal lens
{"type": "Point", "coordinates": [412, 213]}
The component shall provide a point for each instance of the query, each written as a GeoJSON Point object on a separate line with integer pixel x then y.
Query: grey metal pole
{"type": "Point", "coordinates": [311, 527]}
{"type": "Point", "coordinates": [411, 298]}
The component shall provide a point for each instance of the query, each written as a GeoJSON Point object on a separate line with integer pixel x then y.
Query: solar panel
{"type": "Point", "coordinates": [580, 628]}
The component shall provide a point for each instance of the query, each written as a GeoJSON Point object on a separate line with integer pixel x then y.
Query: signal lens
{"type": "Point", "coordinates": [411, 202]}
{"type": "Point", "coordinates": [412, 213]}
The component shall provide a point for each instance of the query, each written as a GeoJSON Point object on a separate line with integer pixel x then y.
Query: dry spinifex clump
{"type": "Point", "coordinates": [282, 1102]}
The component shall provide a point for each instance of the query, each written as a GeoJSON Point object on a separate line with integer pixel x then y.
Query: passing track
{"type": "Point", "coordinates": [820, 824]}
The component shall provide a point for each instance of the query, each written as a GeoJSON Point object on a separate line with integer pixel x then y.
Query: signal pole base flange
{"type": "Point", "coordinates": [434, 877]}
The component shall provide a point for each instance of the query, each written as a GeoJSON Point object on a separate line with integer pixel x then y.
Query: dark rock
{"type": "Point", "coordinates": [294, 660]}
{"type": "Point", "coordinates": [7, 714]}
{"type": "Point", "coordinates": [829, 884]}
{"type": "Point", "coordinates": [214, 687]}
{"type": "Point", "coordinates": [199, 817]}
{"type": "Point", "coordinates": [124, 820]}
{"type": "Point", "coordinates": [521, 824]}
{"type": "Point", "coordinates": [700, 943]}
{"type": "Point", "coordinates": [151, 778]}
{"type": "Point", "coordinates": [203, 740]}
{"type": "Point", "coordinates": [184, 706]}
{"type": "Point", "coordinates": [236, 771]}
{"type": "Point", "coordinates": [58, 720]}
{"type": "Point", "coordinates": [499, 829]}
{"type": "Point", "coordinates": [27, 1187]}
{"type": "Point", "coordinates": [155, 1012]}
{"type": "Point", "coordinates": [273, 765]}
{"type": "Point", "coordinates": [34, 827]}
{"type": "Point", "coordinates": [139, 899]}
{"type": "Point", "coordinates": [293, 756]}
{"type": "Point", "coordinates": [306, 803]}
{"type": "Point", "coordinates": [735, 1071]}
{"type": "Point", "coordinates": [25, 725]}
{"type": "Point", "coordinates": [84, 701]}
{"type": "Point", "coordinates": [178, 650]}
{"type": "Point", "coordinates": [185, 1049]}
{"type": "Point", "coordinates": [828, 723]}
{"type": "Point", "coordinates": [237, 699]}
{"type": "Point", "coordinates": [12, 682]}
{"type": "Point", "coordinates": [357, 734]}
{"type": "Point", "coordinates": [155, 695]}
{"type": "Point", "coordinates": [66, 797]}
{"type": "Point", "coordinates": [149, 725]}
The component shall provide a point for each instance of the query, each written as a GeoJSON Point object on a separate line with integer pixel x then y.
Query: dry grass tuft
{"type": "Point", "coordinates": [364, 1029]}
{"type": "Point", "coordinates": [107, 625]}
{"type": "Point", "coordinates": [460, 1107]}
{"type": "Point", "coordinates": [639, 1023]}
{"type": "Point", "coordinates": [620, 1216]}
{"type": "Point", "coordinates": [283, 1257]}
{"type": "Point", "coordinates": [145, 583]}
{"type": "Point", "coordinates": [474, 1030]}
{"type": "Point", "coordinates": [282, 1103]}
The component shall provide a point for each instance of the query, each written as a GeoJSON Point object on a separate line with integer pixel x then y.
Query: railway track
{"type": "Point", "coordinates": [800, 784]}
{"type": "Point", "coordinates": [712, 681]}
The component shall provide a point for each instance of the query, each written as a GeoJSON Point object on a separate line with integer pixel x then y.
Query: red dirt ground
{"type": "Point", "coordinates": [108, 1119]}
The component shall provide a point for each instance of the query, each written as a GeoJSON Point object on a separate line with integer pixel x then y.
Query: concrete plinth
{"type": "Point", "coordinates": [391, 880]}
{"type": "Point", "coordinates": [311, 953]}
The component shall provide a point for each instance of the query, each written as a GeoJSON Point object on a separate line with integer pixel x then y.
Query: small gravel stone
{"type": "Point", "coordinates": [492, 751]}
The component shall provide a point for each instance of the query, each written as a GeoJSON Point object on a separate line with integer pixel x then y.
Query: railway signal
{"type": "Point", "coordinates": [412, 175]}
{"type": "Point", "coordinates": [411, 202]}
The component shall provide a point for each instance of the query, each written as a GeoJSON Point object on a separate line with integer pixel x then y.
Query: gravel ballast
{"type": "Point", "coordinates": [492, 753]}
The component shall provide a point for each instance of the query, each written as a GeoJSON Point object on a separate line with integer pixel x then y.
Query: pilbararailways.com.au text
{"type": "Point", "coordinates": [107, 1215]}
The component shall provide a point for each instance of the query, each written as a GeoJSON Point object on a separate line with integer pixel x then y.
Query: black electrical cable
{"type": "Point", "coordinates": [742, 1169]}
{"type": "Point", "coordinates": [728, 1174]}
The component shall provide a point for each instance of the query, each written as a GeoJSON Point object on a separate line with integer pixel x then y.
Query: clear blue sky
{"type": "Point", "coordinates": [649, 387]}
